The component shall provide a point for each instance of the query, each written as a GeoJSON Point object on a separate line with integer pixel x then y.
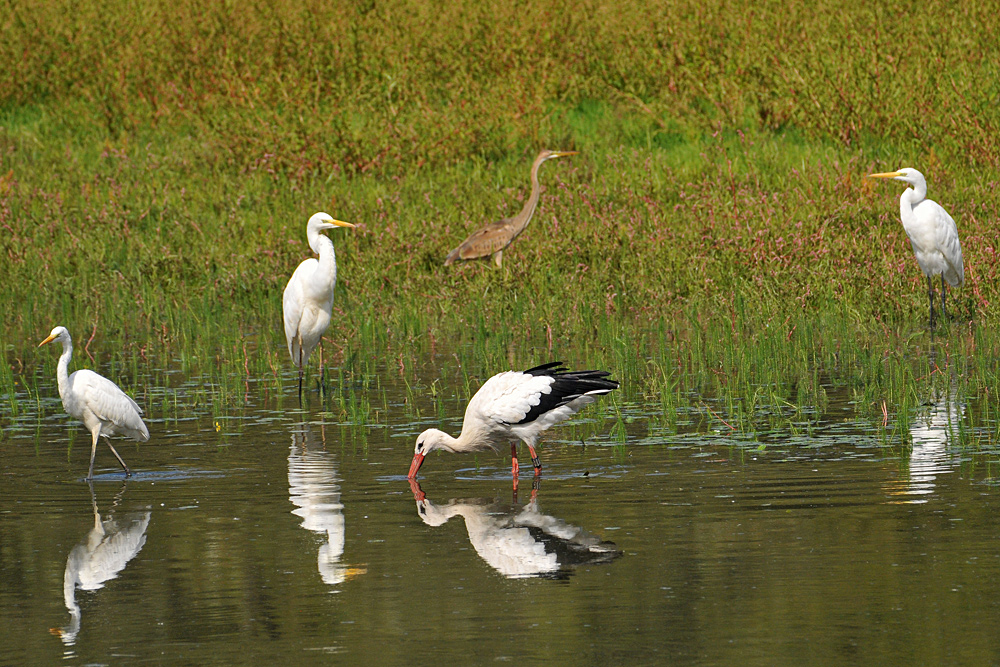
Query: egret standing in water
{"type": "Point", "coordinates": [514, 406]}
{"type": "Point", "coordinates": [96, 401]}
{"type": "Point", "coordinates": [932, 233]}
{"type": "Point", "coordinates": [494, 238]}
{"type": "Point", "coordinates": [308, 297]}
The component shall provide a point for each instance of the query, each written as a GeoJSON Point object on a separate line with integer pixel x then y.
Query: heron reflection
{"type": "Point", "coordinates": [519, 541]}
{"type": "Point", "coordinates": [314, 490]}
{"type": "Point", "coordinates": [99, 557]}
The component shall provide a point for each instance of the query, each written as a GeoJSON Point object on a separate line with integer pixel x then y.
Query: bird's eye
{"type": "Point", "coordinates": [420, 446]}
{"type": "Point", "coordinates": [423, 510]}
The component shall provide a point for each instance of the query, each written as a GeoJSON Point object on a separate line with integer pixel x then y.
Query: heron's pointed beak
{"type": "Point", "coordinates": [564, 153]}
{"type": "Point", "coordinates": [47, 340]}
{"type": "Point", "coordinates": [888, 174]}
{"type": "Point", "coordinates": [341, 223]}
{"type": "Point", "coordinates": [418, 460]}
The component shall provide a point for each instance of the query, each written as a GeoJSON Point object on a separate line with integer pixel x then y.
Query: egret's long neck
{"type": "Point", "coordinates": [62, 369]}
{"type": "Point", "coordinates": [524, 217]}
{"type": "Point", "coordinates": [323, 246]}
{"type": "Point", "coordinates": [910, 198]}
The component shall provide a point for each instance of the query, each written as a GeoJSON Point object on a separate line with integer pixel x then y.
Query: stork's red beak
{"type": "Point", "coordinates": [418, 460]}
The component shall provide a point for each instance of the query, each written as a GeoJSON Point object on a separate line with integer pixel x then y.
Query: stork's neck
{"type": "Point", "coordinates": [323, 246]}
{"type": "Point", "coordinates": [62, 369]}
{"type": "Point", "coordinates": [524, 217]}
{"type": "Point", "coordinates": [910, 198]}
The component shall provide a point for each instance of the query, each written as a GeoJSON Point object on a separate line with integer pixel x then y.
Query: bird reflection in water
{"type": "Point", "coordinates": [518, 541]}
{"type": "Point", "coordinates": [99, 557]}
{"type": "Point", "coordinates": [931, 432]}
{"type": "Point", "coordinates": [313, 489]}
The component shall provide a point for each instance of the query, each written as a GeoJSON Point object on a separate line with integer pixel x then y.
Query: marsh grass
{"type": "Point", "coordinates": [715, 243]}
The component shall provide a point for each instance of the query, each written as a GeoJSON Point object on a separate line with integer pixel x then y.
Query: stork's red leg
{"type": "Point", "coordinates": [514, 470]}
{"type": "Point", "coordinates": [534, 460]}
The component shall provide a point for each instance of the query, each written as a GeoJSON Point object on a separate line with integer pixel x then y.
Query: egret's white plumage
{"type": "Point", "coordinates": [307, 302]}
{"type": "Point", "coordinates": [96, 401]}
{"type": "Point", "coordinates": [514, 406]}
{"type": "Point", "coordinates": [934, 435]}
{"type": "Point", "coordinates": [314, 490]}
{"type": "Point", "coordinates": [932, 233]}
{"type": "Point", "coordinates": [99, 557]}
{"type": "Point", "coordinates": [519, 541]}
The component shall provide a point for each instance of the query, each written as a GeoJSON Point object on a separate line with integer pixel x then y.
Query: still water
{"type": "Point", "coordinates": [283, 534]}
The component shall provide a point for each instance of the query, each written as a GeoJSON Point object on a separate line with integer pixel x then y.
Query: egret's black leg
{"type": "Point", "coordinates": [300, 368]}
{"type": "Point", "coordinates": [128, 473]}
{"type": "Point", "coordinates": [930, 296]}
{"type": "Point", "coordinates": [944, 313]}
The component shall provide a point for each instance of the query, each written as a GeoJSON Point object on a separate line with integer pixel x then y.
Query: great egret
{"type": "Point", "coordinates": [519, 541]}
{"type": "Point", "coordinates": [932, 233]}
{"type": "Point", "coordinates": [494, 238]}
{"type": "Point", "coordinates": [513, 406]}
{"type": "Point", "coordinates": [96, 401]}
{"type": "Point", "coordinates": [308, 299]}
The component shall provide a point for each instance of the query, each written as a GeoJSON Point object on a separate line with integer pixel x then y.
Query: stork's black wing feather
{"type": "Point", "coordinates": [566, 386]}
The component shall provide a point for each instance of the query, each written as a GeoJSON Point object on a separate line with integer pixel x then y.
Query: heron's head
{"type": "Point", "coordinates": [908, 175]}
{"type": "Point", "coordinates": [60, 334]}
{"type": "Point", "coordinates": [427, 442]}
{"type": "Point", "coordinates": [324, 221]}
{"type": "Point", "coordinates": [548, 155]}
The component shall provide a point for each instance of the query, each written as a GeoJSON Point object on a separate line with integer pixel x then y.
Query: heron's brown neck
{"type": "Point", "coordinates": [524, 217]}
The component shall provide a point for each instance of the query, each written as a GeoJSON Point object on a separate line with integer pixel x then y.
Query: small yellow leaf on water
{"type": "Point", "coordinates": [218, 427]}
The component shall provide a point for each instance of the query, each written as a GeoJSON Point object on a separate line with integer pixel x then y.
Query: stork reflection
{"type": "Point", "coordinates": [518, 541]}
{"type": "Point", "coordinates": [99, 557]}
{"type": "Point", "coordinates": [314, 490]}
{"type": "Point", "coordinates": [933, 432]}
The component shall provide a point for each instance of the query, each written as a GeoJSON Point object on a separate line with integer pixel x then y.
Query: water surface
{"type": "Point", "coordinates": [283, 534]}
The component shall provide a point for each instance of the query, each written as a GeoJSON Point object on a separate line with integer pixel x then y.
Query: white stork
{"type": "Point", "coordinates": [514, 406]}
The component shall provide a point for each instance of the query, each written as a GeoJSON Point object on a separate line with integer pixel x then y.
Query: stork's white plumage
{"type": "Point", "coordinates": [514, 406]}
{"type": "Point", "coordinates": [519, 541]}
{"type": "Point", "coordinates": [96, 401]}
{"type": "Point", "coordinates": [932, 233]}
{"type": "Point", "coordinates": [307, 302]}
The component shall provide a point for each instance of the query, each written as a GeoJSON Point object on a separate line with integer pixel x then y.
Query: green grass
{"type": "Point", "coordinates": [715, 243]}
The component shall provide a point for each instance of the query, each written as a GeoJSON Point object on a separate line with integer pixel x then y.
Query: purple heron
{"type": "Point", "coordinates": [494, 238]}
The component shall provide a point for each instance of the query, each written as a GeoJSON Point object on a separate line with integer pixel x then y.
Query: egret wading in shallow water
{"type": "Point", "coordinates": [308, 299]}
{"type": "Point", "coordinates": [932, 233]}
{"type": "Point", "coordinates": [494, 238]}
{"type": "Point", "coordinates": [514, 406]}
{"type": "Point", "coordinates": [96, 401]}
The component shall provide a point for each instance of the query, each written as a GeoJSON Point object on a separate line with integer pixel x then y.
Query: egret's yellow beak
{"type": "Point", "coordinates": [341, 223]}
{"type": "Point", "coordinates": [888, 174]}
{"type": "Point", "coordinates": [47, 340]}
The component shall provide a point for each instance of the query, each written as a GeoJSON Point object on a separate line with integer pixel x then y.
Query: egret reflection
{"type": "Point", "coordinates": [314, 490]}
{"type": "Point", "coordinates": [519, 541]}
{"type": "Point", "coordinates": [99, 557]}
{"type": "Point", "coordinates": [933, 432]}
